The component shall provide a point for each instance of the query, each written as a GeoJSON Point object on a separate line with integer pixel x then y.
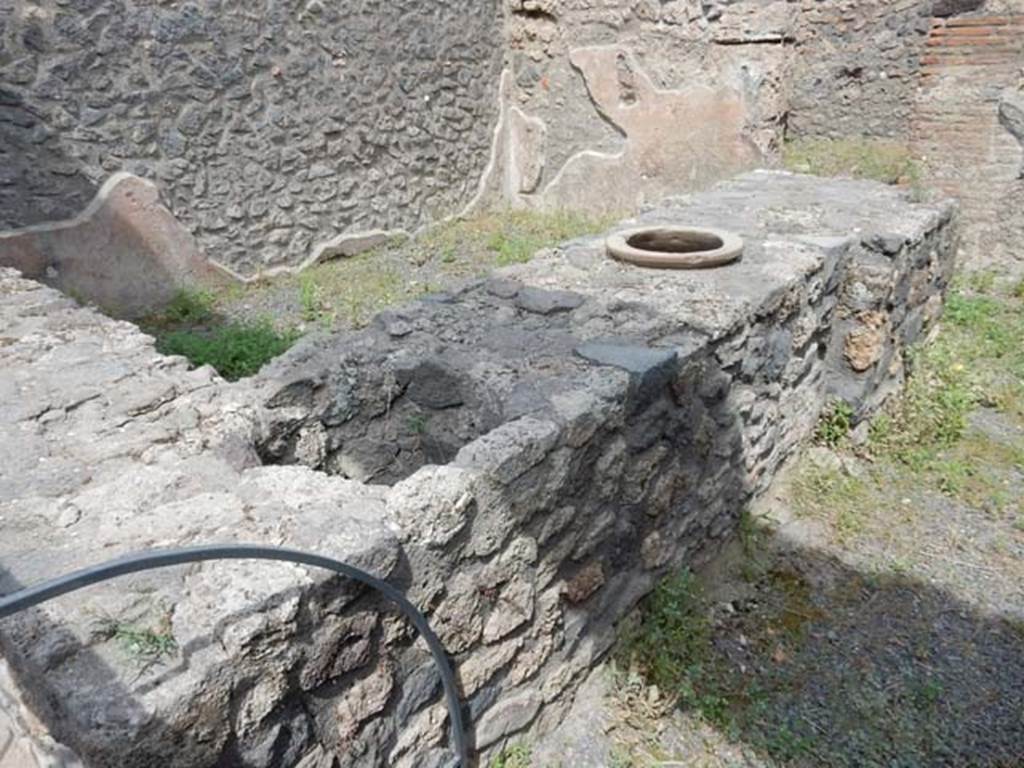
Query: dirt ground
{"type": "Point", "coordinates": [347, 292]}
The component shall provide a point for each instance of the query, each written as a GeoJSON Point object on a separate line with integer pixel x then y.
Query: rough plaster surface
{"type": "Point", "coordinates": [525, 456]}
{"type": "Point", "coordinates": [270, 128]}
{"type": "Point", "coordinates": [673, 140]}
{"type": "Point", "coordinates": [125, 252]}
{"type": "Point", "coordinates": [615, 105]}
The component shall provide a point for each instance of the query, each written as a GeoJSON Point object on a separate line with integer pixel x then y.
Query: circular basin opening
{"type": "Point", "coordinates": [668, 247]}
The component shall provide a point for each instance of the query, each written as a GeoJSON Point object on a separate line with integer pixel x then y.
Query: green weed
{"type": "Point", "coordinates": [186, 308]}
{"type": "Point", "coordinates": [515, 756]}
{"type": "Point", "coordinates": [621, 758]}
{"type": "Point", "coordinates": [974, 471]}
{"type": "Point", "coordinates": [833, 495]}
{"type": "Point", "coordinates": [353, 289]}
{"type": "Point", "coordinates": [834, 424]}
{"type": "Point", "coordinates": [670, 644]}
{"type": "Point", "coordinates": [981, 281]}
{"type": "Point", "coordinates": [350, 291]}
{"type": "Point", "coordinates": [145, 645]}
{"type": "Point", "coordinates": [928, 693]}
{"type": "Point", "coordinates": [501, 238]}
{"type": "Point", "coordinates": [309, 298]}
{"type": "Point", "coordinates": [417, 423]}
{"type": "Point", "coordinates": [673, 646]}
{"type": "Point", "coordinates": [977, 359]}
{"type": "Point", "coordinates": [235, 350]}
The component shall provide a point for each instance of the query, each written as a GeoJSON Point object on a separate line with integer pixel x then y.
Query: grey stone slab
{"type": "Point", "coordinates": [545, 302]}
{"type": "Point", "coordinates": [650, 369]}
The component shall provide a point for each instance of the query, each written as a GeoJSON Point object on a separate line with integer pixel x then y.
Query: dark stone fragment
{"type": "Point", "coordinates": [283, 743]}
{"type": "Point", "coordinates": [503, 287]}
{"type": "Point", "coordinates": [431, 383]}
{"type": "Point", "coordinates": [886, 242]}
{"type": "Point", "coordinates": [17, 116]}
{"type": "Point", "coordinates": [547, 302]}
{"type": "Point", "coordinates": [297, 393]}
{"type": "Point", "coordinates": [419, 688]}
{"type": "Point", "coordinates": [482, 700]}
{"type": "Point", "coordinates": [649, 369]}
{"type": "Point", "coordinates": [365, 458]}
{"type": "Point", "coordinates": [943, 8]}
{"type": "Point", "coordinates": [780, 345]}
{"type": "Point", "coordinates": [34, 39]}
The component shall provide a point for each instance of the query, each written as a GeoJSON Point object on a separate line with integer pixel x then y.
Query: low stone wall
{"type": "Point", "coordinates": [525, 457]}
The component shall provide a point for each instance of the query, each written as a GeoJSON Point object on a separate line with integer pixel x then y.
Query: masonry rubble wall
{"type": "Point", "coordinates": [273, 129]}
{"type": "Point", "coordinates": [964, 132]}
{"type": "Point", "coordinates": [857, 68]}
{"type": "Point", "coordinates": [525, 457]}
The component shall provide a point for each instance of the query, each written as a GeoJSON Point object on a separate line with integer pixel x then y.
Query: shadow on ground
{"type": "Point", "coordinates": [811, 662]}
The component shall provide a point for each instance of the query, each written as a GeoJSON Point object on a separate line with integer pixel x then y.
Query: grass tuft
{"type": "Point", "coordinates": [352, 290]}
{"type": "Point", "coordinates": [924, 436]}
{"type": "Point", "coordinates": [858, 157]}
{"type": "Point", "coordinates": [501, 238]}
{"type": "Point", "coordinates": [191, 327]}
{"type": "Point", "coordinates": [309, 298]}
{"type": "Point", "coordinates": [831, 494]}
{"type": "Point", "coordinates": [187, 308]}
{"type": "Point", "coordinates": [669, 644]}
{"type": "Point", "coordinates": [978, 359]}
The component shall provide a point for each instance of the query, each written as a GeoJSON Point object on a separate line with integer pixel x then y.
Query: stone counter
{"type": "Point", "coordinates": [525, 456]}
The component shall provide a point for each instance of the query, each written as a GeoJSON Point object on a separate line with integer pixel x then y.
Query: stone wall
{"type": "Point", "coordinates": [525, 457]}
{"type": "Point", "coordinates": [272, 134]}
{"type": "Point", "coordinates": [856, 67]}
{"type": "Point", "coordinates": [931, 75]}
{"type": "Point", "coordinates": [285, 135]}
{"type": "Point", "coordinates": [966, 131]}
{"type": "Point", "coordinates": [269, 129]}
